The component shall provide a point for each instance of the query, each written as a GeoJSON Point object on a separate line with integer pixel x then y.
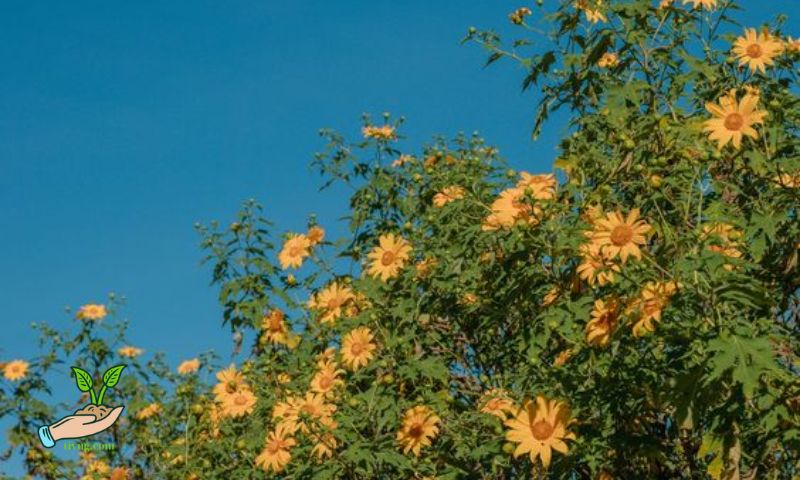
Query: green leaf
{"type": "Point", "coordinates": [83, 379]}
{"type": "Point", "coordinates": [111, 377]}
{"type": "Point", "coordinates": [746, 358]}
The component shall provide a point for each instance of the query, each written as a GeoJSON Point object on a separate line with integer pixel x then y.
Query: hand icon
{"type": "Point", "coordinates": [77, 426]}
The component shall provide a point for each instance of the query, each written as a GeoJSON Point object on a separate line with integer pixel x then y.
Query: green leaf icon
{"type": "Point", "coordinates": [111, 377]}
{"type": "Point", "coordinates": [83, 378]}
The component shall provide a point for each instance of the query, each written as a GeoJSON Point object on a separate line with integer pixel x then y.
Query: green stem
{"type": "Point", "coordinates": [102, 394]}
{"type": "Point", "coordinates": [94, 399]}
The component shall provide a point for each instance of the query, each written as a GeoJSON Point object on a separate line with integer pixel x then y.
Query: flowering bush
{"type": "Point", "coordinates": [632, 314]}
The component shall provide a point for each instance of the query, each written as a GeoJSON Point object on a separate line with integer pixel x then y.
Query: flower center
{"type": "Point", "coordinates": [240, 400]}
{"type": "Point", "coordinates": [387, 258]}
{"type": "Point", "coordinates": [357, 348]}
{"type": "Point", "coordinates": [416, 431]}
{"type": "Point", "coordinates": [295, 251]}
{"type": "Point", "coordinates": [542, 430]}
{"type": "Point", "coordinates": [621, 235]}
{"type": "Point", "coordinates": [326, 382]}
{"type": "Point", "coordinates": [274, 446]}
{"type": "Point", "coordinates": [754, 51]}
{"type": "Point", "coordinates": [734, 121]}
{"type": "Point", "coordinates": [334, 303]}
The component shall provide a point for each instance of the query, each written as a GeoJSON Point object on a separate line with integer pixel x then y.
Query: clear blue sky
{"type": "Point", "coordinates": [122, 124]}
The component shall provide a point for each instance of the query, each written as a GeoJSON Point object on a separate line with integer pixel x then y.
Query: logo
{"type": "Point", "coordinates": [91, 419]}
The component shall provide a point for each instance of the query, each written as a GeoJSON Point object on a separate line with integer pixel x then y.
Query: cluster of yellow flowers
{"type": "Point", "coordinates": [311, 414]}
{"type": "Point", "coordinates": [233, 395]}
{"type": "Point", "coordinates": [335, 301]}
{"type": "Point", "coordinates": [94, 468]}
{"type": "Point", "coordinates": [91, 311]}
{"type": "Point", "coordinates": [447, 195]}
{"type": "Point", "coordinates": [384, 132]}
{"type": "Point", "coordinates": [297, 247]}
{"type": "Point", "coordinates": [512, 205]}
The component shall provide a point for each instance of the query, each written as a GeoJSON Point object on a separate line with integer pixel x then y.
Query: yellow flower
{"type": "Point", "coordinates": [92, 311]}
{"type": "Point", "coordinates": [447, 195]}
{"type": "Point", "coordinates": [539, 428]}
{"type": "Point", "coordinates": [496, 402]}
{"type": "Point", "coordinates": [616, 235]}
{"type": "Point", "coordinates": [385, 132]}
{"type": "Point", "coordinates": [326, 379]}
{"type": "Point", "coordinates": [189, 366]}
{"type": "Point", "coordinates": [148, 411]}
{"type": "Point", "coordinates": [664, 3]}
{"type": "Point", "coordinates": [591, 8]}
{"type": "Point", "coordinates": [388, 257]}
{"type": "Point", "coordinates": [15, 370]}
{"type": "Point", "coordinates": [788, 180]}
{"type": "Point", "coordinates": [509, 208]}
{"type": "Point", "coordinates": [239, 403]}
{"type": "Point", "coordinates": [324, 445]}
{"type": "Point", "coordinates": [315, 235]}
{"type": "Point", "coordinates": [425, 266]}
{"type": "Point", "coordinates": [276, 454]}
{"type": "Point", "coordinates": [402, 160]}
{"type": "Point", "coordinates": [602, 324]}
{"type": "Point", "coordinates": [792, 45]}
{"type": "Point", "coordinates": [551, 296]}
{"type": "Point", "coordinates": [295, 250]}
{"type": "Point", "coordinates": [230, 382]}
{"type": "Point", "coordinates": [119, 473]}
{"type": "Point", "coordinates": [603, 475]}
{"type": "Point", "coordinates": [733, 120]}
{"type": "Point", "coordinates": [594, 267]}
{"type": "Point", "coordinates": [357, 348]}
{"type": "Point", "coordinates": [541, 187]}
{"type": "Point", "coordinates": [517, 17]}
{"type": "Point", "coordinates": [608, 60]}
{"type": "Point", "coordinates": [725, 240]}
{"type": "Point", "coordinates": [283, 378]}
{"type": "Point", "coordinates": [420, 427]}
{"type": "Point", "coordinates": [274, 326]}
{"type": "Point", "coordinates": [130, 352]}
{"type": "Point", "coordinates": [708, 4]}
{"type": "Point", "coordinates": [304, 412]}
{"type": "Point", "coordinates": [563, 357]}
{"type": "Point", "coordinates": [757, 50]}
{"type": "Point", "coordinates": [331, 301]}
{"type": "Point", "coordinates": [96, 469]}
{"type": "Point", "coordinates": [648, 307]}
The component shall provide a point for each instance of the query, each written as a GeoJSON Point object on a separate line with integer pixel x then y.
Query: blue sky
{"type": "Point", "coordinates": [123, 124]}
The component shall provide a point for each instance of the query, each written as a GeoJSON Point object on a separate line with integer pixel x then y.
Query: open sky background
{"type": "Point", "coordinates": [123, 124]}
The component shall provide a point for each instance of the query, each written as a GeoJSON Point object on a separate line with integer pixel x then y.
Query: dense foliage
{"type": "Point", "coordinates": [632, 314]}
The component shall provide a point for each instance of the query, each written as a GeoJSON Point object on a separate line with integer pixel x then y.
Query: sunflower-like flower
{"type": "Point", "coordinates": [594, 267]}
{"type": "Point", "coordinates": [239, 403]}
{"type": "Point", "coordinates": [447, 195]}
{"type": "Point", "coordinates": [707, 4]}
{"type": "Point", "coordinates": [129, 351]}
{"type": "Point", "coordinates": [15, 370]}
{"type": "Point", "coordinates": [419, 429]}
{"type": "Point", "coordinates": [425, 266]}
{"type": "Point", "coordinates": [608, 60]}
{"type": "Point", "coordinates": [305, 413]}
{"type": "Point", "coordinates": [517, 17]}
{"type": "Point", "coordinates": [230, 381]}
{"type": "Point", "coordinates": [295, 249]}
{"type": "Point", "coordinates": [384, 132]}
{"type": "Point", "coordinates": [496, 402]}
{"type": "Point", "coordinates": [92, 311]}
{"type": "Point", "coordinates": [274, 327]}
{"type": "Point", "coordinates": [388, 257]}
{"type": "Point", "coordinates": [757, 50]}
{"type": "Point", "coordinates": [617, 235]}
{"type": "Point", "coordinates": [276, 454]}
{"type": "Point", "coordinates": [326, 379]}
{"type": "Point", "coordinates": [189, 366]}
{"type": "Point", "coordinates": [592, 10]}
{"type": "Point", "coordinates": [148, 411]}
{"type": "Point", "coordinates": [539, 428]}
{"type": "Point", "coordinates": [602, 324]}
{"type": "Point", "coordinates": [788, 180]}
{"type": "Point", "coordinates": [315, 235]}
{"type": "Point", "coordinates": [331, 301]}
{"type": "Point", "coordinates": [540, 187]}
{"type": "Point", "coordinates": [647, 308]}
{"type": "Point", "coordinates": [358, 348]}
{"type": "Point", "coordinates": [324, 445]}
{"type": "Point", "coordinates": [563, 357]}
{"type": "Point", "coordinates": [733, 120]}
{"type": "Point", "coordinates": [119, 473]}
{"type": "Point", "coordinates": [792, 45]}
{"type": "Point", "coordinates": [509, 208]}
